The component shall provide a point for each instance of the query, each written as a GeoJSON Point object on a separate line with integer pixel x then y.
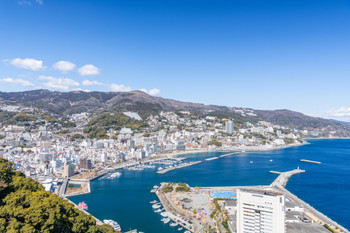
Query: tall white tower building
{"type": "Point", "coordinates": [229, 127]}
{"type": "Point", "coordinates": [260, 211]}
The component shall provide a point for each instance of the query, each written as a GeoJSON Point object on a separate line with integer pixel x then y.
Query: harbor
{"type": "Point", "coordinates": [111, 197]}
{"type": "Point", "coordinates": [191, 209]}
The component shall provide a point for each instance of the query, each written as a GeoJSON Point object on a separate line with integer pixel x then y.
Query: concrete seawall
{"type": "Point", "coordinates": [178, 167]}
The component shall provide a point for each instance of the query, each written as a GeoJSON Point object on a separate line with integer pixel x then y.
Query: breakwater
{"type": "Point", "coordinates": [178, 167]}
{"type": "Point", "coordinates": [283, 178]}
{"type": "Point", "coordinates": [309, 161]}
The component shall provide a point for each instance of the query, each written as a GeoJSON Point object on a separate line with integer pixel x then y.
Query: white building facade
{"type": "Point", "coordinates": [229, 127]}
{"type": "Point", "coordinates": [260, 211]}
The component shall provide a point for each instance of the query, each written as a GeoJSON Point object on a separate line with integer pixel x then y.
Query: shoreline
{"type": "Point", "coordinates": [237, 149]}
{"type": "Point", "coordinates": [324, 138]}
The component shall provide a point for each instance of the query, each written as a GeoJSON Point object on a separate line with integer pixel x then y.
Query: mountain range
{"type": "Point", "coordinates": [64, 103]}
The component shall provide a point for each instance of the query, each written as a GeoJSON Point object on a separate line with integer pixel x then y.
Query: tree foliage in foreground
{"type": "Point", "coordinates": [25, 207]}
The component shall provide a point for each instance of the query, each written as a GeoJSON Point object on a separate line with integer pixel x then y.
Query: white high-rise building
{"type": "Point", "coordinates": [260, 211]}
{"type": "Point", "coordinates": [229, 127]}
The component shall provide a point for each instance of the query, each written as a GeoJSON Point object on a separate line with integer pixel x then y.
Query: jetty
{"type": "Point", "coordinates": [283, 177]}
{"type": "Point", "coordinates": [178, 167]}
{"type": "Point", "coordinates": [221, 156]}
{"type": "Point", "coordinates": [309, 161]}
{"type": "Point", "coordinates": [212, 158]}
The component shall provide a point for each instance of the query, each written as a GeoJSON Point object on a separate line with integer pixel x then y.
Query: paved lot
{"type": "Point", "coordinates": [305, 228]}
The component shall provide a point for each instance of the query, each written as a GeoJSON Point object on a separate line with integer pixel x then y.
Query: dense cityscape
{"type": "Point", "coordinates": [174, 116]}
{"type": "Point", "coordinates": [48, 149]}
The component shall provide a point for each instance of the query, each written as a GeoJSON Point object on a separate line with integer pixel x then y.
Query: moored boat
{"type": "Point", "coordinates": [83, 205]}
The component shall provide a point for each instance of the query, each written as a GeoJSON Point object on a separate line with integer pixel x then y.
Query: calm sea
{"type": "Point", "coordinates": [326, 186]}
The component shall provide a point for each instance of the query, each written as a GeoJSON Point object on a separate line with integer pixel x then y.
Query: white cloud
{"type": "Point", "coordinates": [80, 89]}
{"type": "Point", "coordinates": [119, 88]}
{"type": "Point", "coordinates": [91, 83]}
{"type": "Point", "coordinates": [339, 112]}
{"type": "Point", "coordinates": [58, 83]}
{"type": "Point", "coordinates": [17, 81]}
{"type": "Point", "coordinates": [64, 66]}
{"type": "Point", "coordinates": [29, 2]}
{"type": "Point", "coordinates": [89, 70]}
{"type": "Point", "coordinates": [153, 91]}
{"type": "Point", "coordinates": [27, 63]}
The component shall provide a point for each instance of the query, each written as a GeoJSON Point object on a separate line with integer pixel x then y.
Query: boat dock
{"type": "Point", "coordinates": [309, 161]}
{"type": "Point", "coordinates": [283, 178]}
{"type": "Point", "coordinates": [178, 167]}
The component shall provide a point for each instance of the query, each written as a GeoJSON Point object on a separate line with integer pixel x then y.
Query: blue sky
{"type": "Point", "coordinates": [261, 54]}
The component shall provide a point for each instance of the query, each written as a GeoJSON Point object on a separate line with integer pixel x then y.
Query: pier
{"type": "Point", "coordinates": [309, 161]}
{"type": "Point", "coordinates": [178, 167]}
{"type": "Point", "coordinates": [283, 178]}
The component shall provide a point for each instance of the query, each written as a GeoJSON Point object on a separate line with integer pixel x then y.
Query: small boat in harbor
{"type": "Point", "coordinates": [174, 224]}
{"type": "Point", "coordinates": [115, 175]}
{"type": "Point", "coordinates": [153, 202]}
{"type": "Point", "coordinates": [83, 205]}
{"type": "Point", "coordinates": [158, 210]}
{"type": "Point", "coordinates": [156, 206]}
{"type": "Point", "coordinates": [180, 228]}
{"type": "Point", "coordinates": [166, 220]}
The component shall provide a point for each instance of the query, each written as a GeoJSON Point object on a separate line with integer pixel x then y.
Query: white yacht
{"type": "Point", "coordinates": [166, 220]}
{"type": "Point", "coordinates": [174, 224]}
{"type": "Point", "coordinates": [156, 206]}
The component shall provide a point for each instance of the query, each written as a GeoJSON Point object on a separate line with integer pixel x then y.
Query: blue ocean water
{"type": "Point", "coordinates": [325, 186]}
